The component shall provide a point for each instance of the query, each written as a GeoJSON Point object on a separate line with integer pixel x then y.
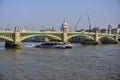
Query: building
{"type": "Point", "coordinates": [103, 30]}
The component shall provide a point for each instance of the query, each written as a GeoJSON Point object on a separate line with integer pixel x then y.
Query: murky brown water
{"type": "Point", "coordinates": [79, 63]}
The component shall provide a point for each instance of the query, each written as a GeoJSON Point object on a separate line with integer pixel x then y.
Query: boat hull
{"type": "Point", "coordinates": [54, 45]}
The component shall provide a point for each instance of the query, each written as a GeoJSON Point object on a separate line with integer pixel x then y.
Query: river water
{"type": "Point", "coordinates": [100, 62]}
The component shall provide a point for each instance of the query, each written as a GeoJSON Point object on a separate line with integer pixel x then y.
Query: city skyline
{"type": "Point", "coordinates": [40, 14]}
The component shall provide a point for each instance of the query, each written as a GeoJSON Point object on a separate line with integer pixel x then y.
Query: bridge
{"type": "Point", "coordinates": [14, 38]}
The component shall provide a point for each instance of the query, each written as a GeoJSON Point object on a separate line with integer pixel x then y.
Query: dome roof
{"type": "Point", "coordinates": [64, 25]}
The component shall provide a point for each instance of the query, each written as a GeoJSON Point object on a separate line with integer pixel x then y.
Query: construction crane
{"type": "Point", "coordinates": [89, 21]}
{"type": "Point", "coordinates": [77, 23]}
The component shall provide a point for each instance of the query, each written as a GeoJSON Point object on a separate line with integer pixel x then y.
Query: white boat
{"type": "Point", "coordinates": [54, 45]}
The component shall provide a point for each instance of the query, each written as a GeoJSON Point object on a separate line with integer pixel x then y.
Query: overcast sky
{"type": "Point", "coordinates": [39, 14]}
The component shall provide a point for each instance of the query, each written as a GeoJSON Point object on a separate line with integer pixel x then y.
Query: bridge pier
{"type": "Point", "coordinates": [46, 39]}
{"type": "Point", "coordinates": [9, 45]}
{"type": "Point", "coordinates": [97, 42]}
{"type": "Point", "coordinates": [65, 29]}
{"type": "Point", "coordinates": [17, 42]}
{"type": "Point", "coordinates": [116, 38]}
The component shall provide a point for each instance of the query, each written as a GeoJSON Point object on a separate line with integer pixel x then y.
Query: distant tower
{"type": "Point", "coordinates": [118, 26]}
{"type": "Point", "coordinates": [118, 30]}
{"type": "Point", "coordinates": [109, 29]}
{"type": "Point", "coordinates": [65, 29]}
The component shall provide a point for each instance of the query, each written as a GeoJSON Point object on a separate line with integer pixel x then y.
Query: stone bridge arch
{"type": "Point", "coordinates": [6, 38]}
{"type": "Point", "coordinates": [107, 40]}
{"type": "Point", "coordinates": [119, 38]}
{"type": "Point", "coordinates": [104, 37]}
{"type": "Point", "coordinates": [47, 35]}
{"type": "Point", "coordinates": [81, 36]}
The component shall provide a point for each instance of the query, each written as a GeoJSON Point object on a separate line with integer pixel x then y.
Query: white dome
{"type": "Point", "coordinates": [64, 25]}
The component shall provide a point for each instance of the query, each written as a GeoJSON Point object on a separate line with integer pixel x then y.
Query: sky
{"type": "Point", "coordinates": [42, 14]}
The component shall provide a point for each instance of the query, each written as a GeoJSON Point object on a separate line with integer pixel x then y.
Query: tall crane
{"type": "Point", "coordinates": [89, 21]}
{"type": "Point", "coordinates": [77, 23]}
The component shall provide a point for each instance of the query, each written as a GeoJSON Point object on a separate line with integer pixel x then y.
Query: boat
{"type": "Point", "coordinates": [61, 45]}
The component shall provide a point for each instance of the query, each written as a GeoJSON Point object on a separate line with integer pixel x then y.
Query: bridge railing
{"type": "Point", "coordinates": [6, 31]}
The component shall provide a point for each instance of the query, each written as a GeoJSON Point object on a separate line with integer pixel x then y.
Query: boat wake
{"type": "Point", "coordinates": [29, 46]}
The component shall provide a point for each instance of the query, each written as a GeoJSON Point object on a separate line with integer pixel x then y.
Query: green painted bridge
{"type": "Point", "coordinates": [14, 38]}
{"type": "Point", "coordinates": [9, 35]}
